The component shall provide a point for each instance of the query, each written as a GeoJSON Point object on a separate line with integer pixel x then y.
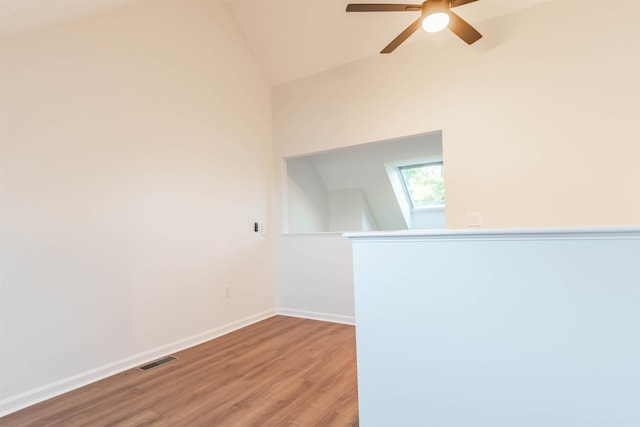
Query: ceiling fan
{"type": "Point", "coordinates": [436, 15]}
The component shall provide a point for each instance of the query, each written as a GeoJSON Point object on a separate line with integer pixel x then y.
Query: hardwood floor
{"type": "Point", "coordinates": [283, 371]}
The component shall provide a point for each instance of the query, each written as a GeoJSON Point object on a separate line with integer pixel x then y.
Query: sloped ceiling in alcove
{"type": "Point", "coordinates": [363, 167]}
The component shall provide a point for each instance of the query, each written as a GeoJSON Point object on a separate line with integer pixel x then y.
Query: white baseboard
{"type": "Point", "coordinates": [31, 397]}
{"type": "Point", "coordinates": [314, 315]}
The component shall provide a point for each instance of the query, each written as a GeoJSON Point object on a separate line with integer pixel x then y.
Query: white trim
{"type": "Point", "coordinates": [429, 209]}
{"type": "Point", "coordinates": [31, 397]}
{"type": "Point", "coordinates": [313, 233]}
{"type": "Point", "coordinates": [619, 232]}
{"type": "Point", "coordinates": [314, 315]}
{"type": "Point", "coordinates": [397, 186]}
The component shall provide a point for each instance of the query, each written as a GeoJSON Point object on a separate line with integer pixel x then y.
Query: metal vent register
{"type": "Point", "coordinates": [156, 363]}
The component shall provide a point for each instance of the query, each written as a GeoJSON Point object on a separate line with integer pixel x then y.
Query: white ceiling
{"type": "Point", "coordinates": [289, 38]}
{"type": "Point", "coordinates": [295, 38]}
{"type": "Point", "coordinates": [21, 16]}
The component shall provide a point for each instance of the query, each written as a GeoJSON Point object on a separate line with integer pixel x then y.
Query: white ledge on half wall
{"type": "Point", "coordinates": [479, 233]}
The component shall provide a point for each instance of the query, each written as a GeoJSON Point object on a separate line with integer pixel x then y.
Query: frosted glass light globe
{"type": "Point", "coordinates": [435, 22]}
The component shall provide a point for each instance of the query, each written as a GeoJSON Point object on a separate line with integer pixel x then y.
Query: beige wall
{"type": "Point", "coordinates": [540, 119]}
{"type": "Point", "coordinates": [136, 155]}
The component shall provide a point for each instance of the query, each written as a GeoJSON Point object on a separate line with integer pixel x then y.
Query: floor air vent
{"type": "Point", "coordinates": [156, 363]}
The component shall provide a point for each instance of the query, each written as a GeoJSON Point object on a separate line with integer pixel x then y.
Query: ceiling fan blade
{"type": "Point", "coordinates": [456, 3]}
{"type": "Point", "coordinates": [463, 29]}
{"type": "Point", "coordinates": [402, 36]}
{"type": "Point", "coordinates": [373, 7]}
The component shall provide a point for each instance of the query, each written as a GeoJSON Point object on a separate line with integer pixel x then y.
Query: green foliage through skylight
{"type": "Point", "coordinates": [424, 184]}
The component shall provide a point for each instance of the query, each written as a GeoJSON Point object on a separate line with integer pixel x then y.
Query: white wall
{"type": "Point", "coordinates": [369, 222]}
{"type": "Point", "coordinates": [428, 218]}
{"type": "Point", "coordinates": [524, 328]}
{"type": "Point", "coordinates": [307, 198]}
{"type": "Point", "coordinates": [315, 276]}
{"type": "Point", "coordinates": [130, 184]}
{"type": "Point", "coordinates": [349, 211]}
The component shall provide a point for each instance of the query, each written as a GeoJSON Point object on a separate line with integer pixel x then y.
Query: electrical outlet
{"type": "Point", "coordinates": [474, 219]}
{"type": "Point", "coordinates": [227, 291]}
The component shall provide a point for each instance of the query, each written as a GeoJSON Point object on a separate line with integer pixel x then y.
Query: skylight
{"type": "Point", "coordinates": [424, 185]}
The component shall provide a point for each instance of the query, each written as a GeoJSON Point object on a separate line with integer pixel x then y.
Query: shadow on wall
{"type": "Point", "coordinates": [357, 188]}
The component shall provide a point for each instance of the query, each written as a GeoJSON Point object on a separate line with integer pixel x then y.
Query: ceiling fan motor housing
{"type": "Point", "coordinates": [430, 7]}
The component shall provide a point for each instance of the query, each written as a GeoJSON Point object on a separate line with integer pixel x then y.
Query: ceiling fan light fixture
{"type": "Point", "coordinates": [435, 15]}
{"type": "Point", "coordinates": [435, 22]}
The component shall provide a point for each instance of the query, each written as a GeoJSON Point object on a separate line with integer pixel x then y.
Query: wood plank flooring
{"type": "Point", "coordinates": [283, 371]}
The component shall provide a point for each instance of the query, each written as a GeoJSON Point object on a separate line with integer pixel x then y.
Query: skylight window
{"type": "Point", "coordinates": [424, 185]}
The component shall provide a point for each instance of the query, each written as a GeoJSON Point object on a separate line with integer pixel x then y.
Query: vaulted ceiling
{"type": "Point", "coordinates": [289, 38]}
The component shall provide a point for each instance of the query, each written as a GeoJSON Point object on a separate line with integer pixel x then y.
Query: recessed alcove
{"type": "Point", "coordinates": [358, 188]}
